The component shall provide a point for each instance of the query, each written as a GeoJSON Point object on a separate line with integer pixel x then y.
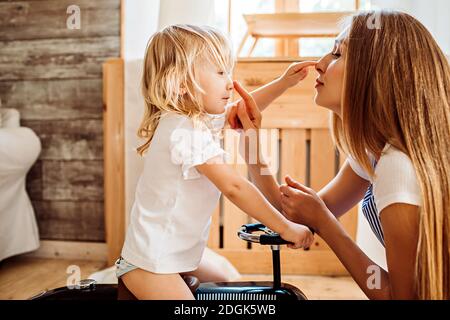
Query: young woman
{"type": "Point", "coordinates": [389, 90]}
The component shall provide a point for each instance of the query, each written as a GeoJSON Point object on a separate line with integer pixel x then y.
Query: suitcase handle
{"type": "Point", "coordinates": [269, 237]}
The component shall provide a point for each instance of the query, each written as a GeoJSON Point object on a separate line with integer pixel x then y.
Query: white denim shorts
{"type": "Point", "coordinates": [123, 266]}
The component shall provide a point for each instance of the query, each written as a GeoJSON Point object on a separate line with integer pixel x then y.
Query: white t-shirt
{"type": "Point", "coordinates": [171, 214]}
{"type": "Point", "coordinates": [395, 180]}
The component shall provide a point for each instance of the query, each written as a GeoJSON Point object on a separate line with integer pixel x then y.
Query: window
{"type": "Point", "coordinates": [330, 5]}
{"type": "Point", "coordinates": [238, 27]}
{"type": "Point", "coordinates": [232, 22]}
{"type": "Point", "coordinates": [317, 47]}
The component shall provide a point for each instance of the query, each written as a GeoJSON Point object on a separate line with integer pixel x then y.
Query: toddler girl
{"type": "Point", "coordinates": [186, 85]}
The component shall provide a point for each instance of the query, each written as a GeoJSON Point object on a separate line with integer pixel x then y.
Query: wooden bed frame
{"type": "Point", "coordinates": [304, 149]}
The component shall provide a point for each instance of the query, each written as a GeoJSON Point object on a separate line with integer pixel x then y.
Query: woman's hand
{"type": "Point", "coordinates": [296, 72]}
{"type": "Point", "coordinates": [302, 205]}
{"type": "Point", "coordinates": [244, 114]}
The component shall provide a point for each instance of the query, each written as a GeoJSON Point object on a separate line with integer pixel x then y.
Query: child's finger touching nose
{"type": "Point", "coordinates": [303, 66]}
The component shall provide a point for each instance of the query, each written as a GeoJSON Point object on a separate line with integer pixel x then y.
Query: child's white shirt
{"type": "Point", "coordinates": [171, 215]}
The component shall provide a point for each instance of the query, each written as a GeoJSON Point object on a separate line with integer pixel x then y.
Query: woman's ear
{"type": "Point", "coordinates": [182, 91]}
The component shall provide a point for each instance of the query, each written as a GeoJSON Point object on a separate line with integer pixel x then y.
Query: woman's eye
{"type": "Point", "coordinates": [221, 73]}
{"type": "Point", "coordinates": [336, 54]}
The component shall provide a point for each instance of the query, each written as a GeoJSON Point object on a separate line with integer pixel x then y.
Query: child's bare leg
{"type": "Point", "coordinates": [208, 271]}
{"type": "Point", "coordinates": [151, 286]}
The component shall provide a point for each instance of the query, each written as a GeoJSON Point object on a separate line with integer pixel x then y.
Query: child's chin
{"type": "Point", "coordinates": [217, 111]}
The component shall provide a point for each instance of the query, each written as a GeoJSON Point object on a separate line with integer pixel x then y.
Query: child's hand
{"type": "Point", "coordinates": [300, 236]}
{"type": "Point", "coordinates": [296, 72]}
{"type": "Point", "coordinates": [244, 114]}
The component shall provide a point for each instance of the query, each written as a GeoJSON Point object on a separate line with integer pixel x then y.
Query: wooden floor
{"type": "Point", "coordinates": [22, 277]}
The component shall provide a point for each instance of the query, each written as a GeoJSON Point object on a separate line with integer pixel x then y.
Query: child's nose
{"type": "Point", "coordinates": [230, 85]}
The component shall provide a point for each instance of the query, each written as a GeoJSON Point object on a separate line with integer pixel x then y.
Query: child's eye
{"type": "Point", "coordinates": [221, 73]}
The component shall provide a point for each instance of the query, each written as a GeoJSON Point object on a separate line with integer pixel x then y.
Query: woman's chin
{"type": "Point", "coordinates": [319, 101]}
{"type": "Point", "coordinates": [321, 97]}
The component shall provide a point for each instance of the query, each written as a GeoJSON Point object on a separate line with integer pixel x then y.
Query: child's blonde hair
{"type": "Point", "coordinates": [169, 78]}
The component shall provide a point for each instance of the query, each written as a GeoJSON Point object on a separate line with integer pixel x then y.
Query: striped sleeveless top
{"type": "Point", "coordinates": [370, 212]}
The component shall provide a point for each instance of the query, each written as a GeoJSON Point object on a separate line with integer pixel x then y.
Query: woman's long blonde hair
{"type": "Point", "coordinates": [169, 73]}
{"type": "Point", "coordinates": [397, 91]}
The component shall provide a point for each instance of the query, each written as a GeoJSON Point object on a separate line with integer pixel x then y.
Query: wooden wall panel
{"type": "Point", "coordinates": [54, 180]}
{"type": "Point", "coordinates": [69, 139]}
{"type": "Point", "coordinates": [72, 180]}
{"type": "Point", "coordinates": [56, 58]}
{"type": "Point", "coordinates": [25, 20]}
{"type": "Point", "coordinates": [34, 181]}
{"type": "Point", "coordinates": [53, 76]}
{"type": "Point", "coordinates": [70, 220]}
{"type": "Point", "coordinates": [54, 99]}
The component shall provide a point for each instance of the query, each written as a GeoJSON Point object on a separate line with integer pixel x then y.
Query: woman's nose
{"type": "Point", "coordinates": [322, 65]}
